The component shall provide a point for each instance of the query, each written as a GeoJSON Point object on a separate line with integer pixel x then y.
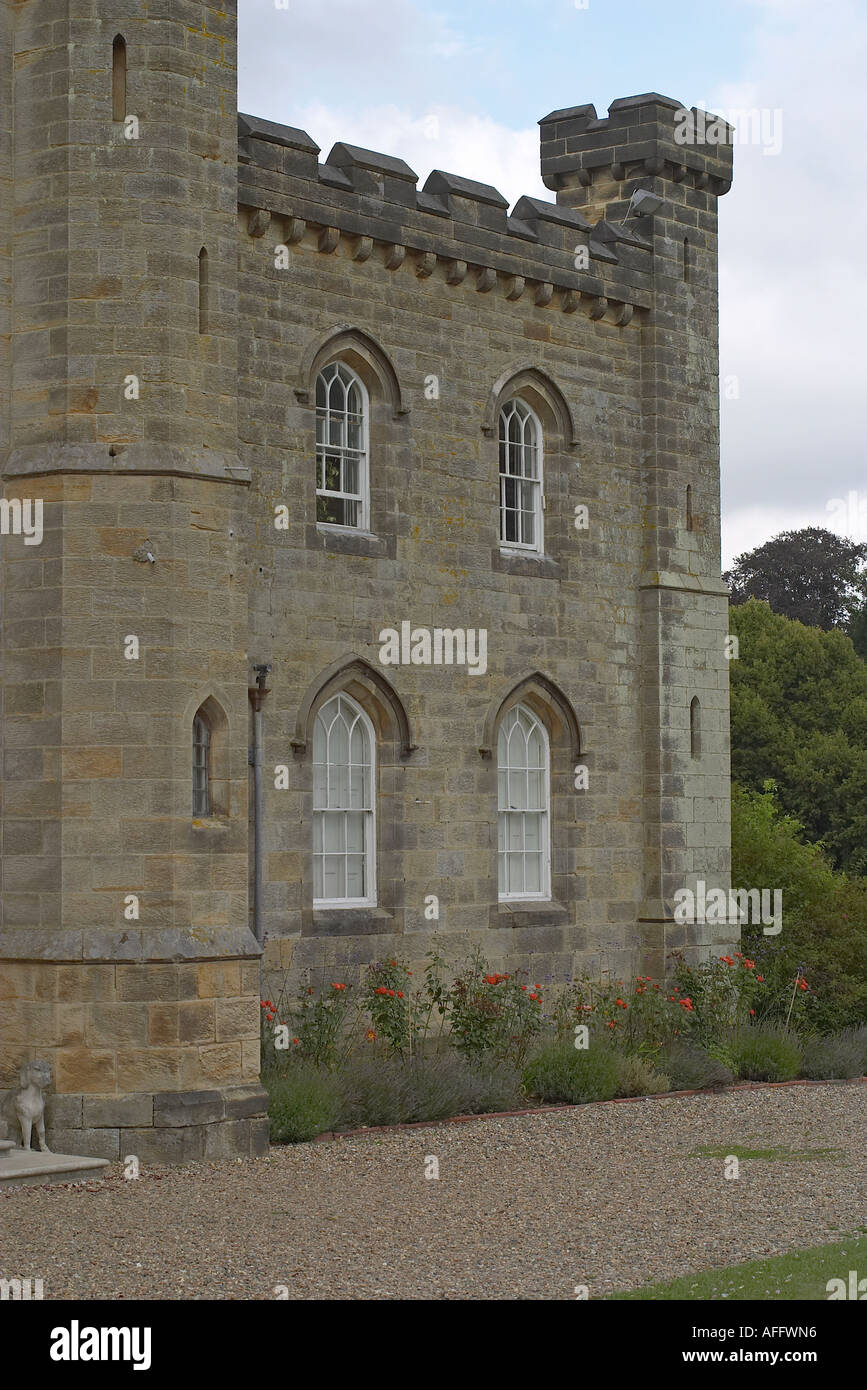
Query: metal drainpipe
{"type": "Point", "coordinates": [257, 694]}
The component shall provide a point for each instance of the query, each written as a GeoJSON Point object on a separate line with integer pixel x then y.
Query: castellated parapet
{"type": "Point", "coordinates": [170, 293]}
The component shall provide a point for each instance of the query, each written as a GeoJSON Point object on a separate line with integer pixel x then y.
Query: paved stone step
{"type": "Point", "coordinates": [30, 1168]}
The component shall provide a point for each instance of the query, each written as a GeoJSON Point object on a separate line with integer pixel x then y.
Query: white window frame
{"type": "Point", "coordinates": [369, 814]}
{"type": "Point", "coordinates": [517, 404]}
{"type": "Point", "coordinates": [362, 497]}
{"type": "Point", "coordinates": [506, 724]}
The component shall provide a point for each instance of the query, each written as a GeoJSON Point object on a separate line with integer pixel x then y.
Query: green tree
{"type": "Point", "coordinates": [812, 575]}
{"type": "Point", "coordinates": [824, 930]}
{"type": "Point", "coordinates": [858, 631]}
{"type": "Point", "coordinates": [799, 717]}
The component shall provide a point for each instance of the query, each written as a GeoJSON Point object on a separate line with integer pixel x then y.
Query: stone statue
{"type": "Point", "coordinates": [35, 1078]}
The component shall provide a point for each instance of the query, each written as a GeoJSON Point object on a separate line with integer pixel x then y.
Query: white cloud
{"type": "Point", "coordinates": [793, 291]}
{"type": "Point", "coordinates": [442, 138]}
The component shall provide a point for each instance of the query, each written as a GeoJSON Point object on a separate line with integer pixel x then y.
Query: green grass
{"type": "Point", "coordinates": [741, 1151]}
{"type": "Point", "coordinates": [803, 1274]}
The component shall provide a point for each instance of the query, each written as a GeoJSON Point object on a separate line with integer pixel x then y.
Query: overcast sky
{"type": "Point", "coordinates": [461, 87]}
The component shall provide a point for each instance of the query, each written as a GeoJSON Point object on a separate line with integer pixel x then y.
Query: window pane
{"type": "Point", "coordinates": [355, 876]}
{"type": "Point", "coordinates": [533, 873]}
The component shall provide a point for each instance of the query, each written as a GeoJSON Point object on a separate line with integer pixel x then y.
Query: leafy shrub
{"type": "Point", "coordinates": [840, 1055]}
{"type": "Point", "coordinates": [639, 1018]}
{"type": "Point", "coordinates": [637, 1077]}
{"type": "Point", "coordinates": [690, 1067]}
{"type": "Point", "coordinates": [824, 933]}
{"type": "Point", "coordinates": [560, 1072]}
{"type": "Point", "coordinates": [765, 1054]}
{"type": "Point", "coordinates": [303, 1101]}
{"type": "Point", "coordinates": [385, 1091]}
{"type": "Point", "coordinates": [387, 1000]}
{"type": "Point", "coordinates": [486, 1014]}
{"type": "Point", "coordinates": [479, 1090]}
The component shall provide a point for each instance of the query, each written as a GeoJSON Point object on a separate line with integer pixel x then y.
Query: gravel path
{"type": "Point", "coordinates": [527, 1206]}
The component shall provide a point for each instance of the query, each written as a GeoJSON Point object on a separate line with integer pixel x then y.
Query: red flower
{"type": "Point", "coordinates": [370, 1035]}
{"type": "Point", "coordinates": [611, 1024]}
{"type": "Point", "coordinates": [524, 988]}
{"type": "Point", "coordinates": [400, 994]}
{"type": "Point", "coordinates": [296, 1041]}
{"type": "Point", "coordinates": [334, 986]}
{"type": "Point", "coordinates": [752, 1011]}
{"type": "Point", "coordinates": [534, 997]}
{"type": "Point", "coordinates": [802, 982]}
{"type": "Point", "coordinates": [760, 978]}
{"type": "Point", "coordinates": [310, 990]}
{"type": "Point", "coordinates": [726, 960]}
{"type": "Point", "coordinates": [686, 1003]}
{"type": "Point", "coordinates": [390, 993]}
{"type": "Point", "coordinates": [621, 1003]}
{"type": "Point", "coordinates": [749, 964]}
{"type": "Point", "coordinates": [381, 990]}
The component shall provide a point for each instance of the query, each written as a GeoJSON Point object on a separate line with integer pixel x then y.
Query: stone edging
{"type": "Point", "coordinates": [617, 1100]}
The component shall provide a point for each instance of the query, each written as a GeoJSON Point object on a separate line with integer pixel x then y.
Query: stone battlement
{"type": "Point", "coordinates": [641, 135]}
{"type": "Point", "coordinates": [373, 201]}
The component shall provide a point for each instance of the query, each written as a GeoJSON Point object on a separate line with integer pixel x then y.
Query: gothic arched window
{"type": "Point", "coordinates": [523, 833]}
{"type": "Point", "coordinates": [118, 78]}
{"type": "Point", "coordinates": [201, 765]}
{"type": "Point", "coordinates": [342, 465]}
{"type": "Point", "coordinates": [520, 477]}
{"type": "Point", "coordinates": [344, 816]}
{"type": "Point", "coordinates": [695, 728]}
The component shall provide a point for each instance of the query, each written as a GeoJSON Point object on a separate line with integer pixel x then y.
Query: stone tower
{"type": "Point", "coordinates": [125, 953]}
{"type": "Point", "coordinates": [596, 165]}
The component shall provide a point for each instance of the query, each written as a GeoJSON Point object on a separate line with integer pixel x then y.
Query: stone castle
{"type": "Point", "coordinates": [360, 566]}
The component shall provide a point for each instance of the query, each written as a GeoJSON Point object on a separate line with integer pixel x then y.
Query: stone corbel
{"type": "Point", "coordinates": [426, 265]}
{"type": "Point", "coordinates": [363, 248]}
{"type": "Point", "coordinates": [598, 306]}
{"type": "Point", "coordinates": [544, 294]}
{"type": "Point", "coordinates": [515, 286]}
{"type": "Point", "coordinates": [623, 314]}
{"type": "Point", "coordinates": [571, 300]}
{"type": "Point", "coordinates": [395, 255]}
{"type": "Point", "coordinates": [258, 222]}
{"type": "Point", "coordinates": [295, 229]}
{"type": "Point", "coordinates": [486, 280]}
{"type": "Point", "coordinates": [329, 240]}
{"type": "Point", "coordinates": [456, 272]}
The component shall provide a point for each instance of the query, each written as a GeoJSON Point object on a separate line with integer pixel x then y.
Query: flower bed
{"type": "Point", "coordinates": [395, 1050]}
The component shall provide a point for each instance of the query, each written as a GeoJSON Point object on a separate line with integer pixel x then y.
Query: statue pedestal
{"type": "Point", "coordinates": [32, 1168]}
